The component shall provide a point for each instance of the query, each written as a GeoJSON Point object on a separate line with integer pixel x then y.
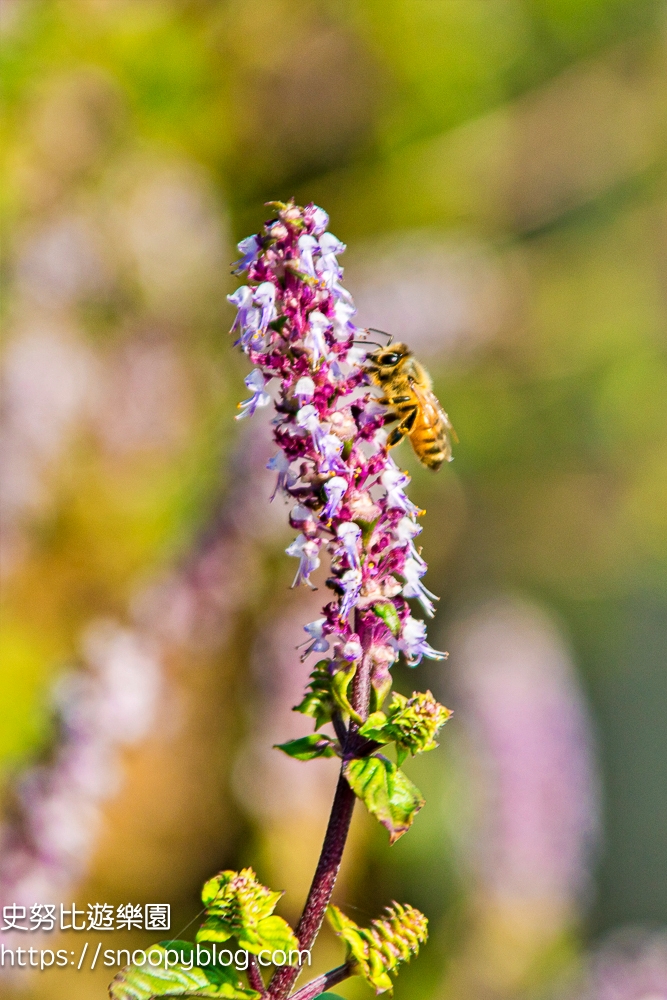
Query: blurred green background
{"type": "Point", "coordinates": [497, 169]}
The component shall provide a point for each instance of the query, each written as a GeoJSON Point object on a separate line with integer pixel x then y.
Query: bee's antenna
{"type": "Point", "coordinates": [390, 336]}
{"type": "Point", "coordinates": [373, 343]}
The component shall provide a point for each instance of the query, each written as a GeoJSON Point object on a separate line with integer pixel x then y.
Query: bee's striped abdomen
{"type": "Point", "coordinates": [429, 437]}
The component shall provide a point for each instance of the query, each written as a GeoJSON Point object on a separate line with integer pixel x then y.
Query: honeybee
{"type": "Point", "coordinates": [408, 393]}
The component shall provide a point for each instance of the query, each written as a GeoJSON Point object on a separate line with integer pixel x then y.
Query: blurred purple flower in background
{"type": "Point", "coordinates": [630, 965]}
{"type": "Point", "coordinates": [49, 374]}
{"type": "Point", "coordinates": [533, 797]}
{"type": "Point", "coordinates": [47, 841]}
{"type": "Point", "coordinates": [99, 711]}
{"type": "Point", "coordinates": [531, 735]}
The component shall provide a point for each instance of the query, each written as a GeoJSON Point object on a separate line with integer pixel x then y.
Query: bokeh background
{"type": "Point", "coordinates": [497, 169]}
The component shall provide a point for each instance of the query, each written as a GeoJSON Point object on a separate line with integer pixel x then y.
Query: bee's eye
{"type": "Point", "coordinates": [390, 359]}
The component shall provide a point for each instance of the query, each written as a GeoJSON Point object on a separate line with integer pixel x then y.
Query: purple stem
{"type": "Point", "coordinates": [323, 983]}
{"type": "Point", "coordinates": [334, 839]}
{"type": "Point", "coordinates": [321, 887]}
{"type": "Point", "coordinates": [255, 977]}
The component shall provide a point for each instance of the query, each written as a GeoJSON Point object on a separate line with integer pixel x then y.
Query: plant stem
{"type": "Point", "coordinates": [317, 986]}
{"type": "Point", "coordinates": [322, 885]}
{"type": "Point", "coordinates": [255, 977]}
{"type": "Point", "coordinates": [335, 838]}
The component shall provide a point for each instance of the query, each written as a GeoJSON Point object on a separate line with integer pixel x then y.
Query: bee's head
{"type": "Point", "coordinates": [390, 356]}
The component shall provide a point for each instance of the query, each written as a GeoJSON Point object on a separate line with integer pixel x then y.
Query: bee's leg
{"type": "Point", "coordinates": [395, 437]}
{"type": "Point", "coordinates": [394, 401]}
{"type": "Point", "coordinates": [405, 426]}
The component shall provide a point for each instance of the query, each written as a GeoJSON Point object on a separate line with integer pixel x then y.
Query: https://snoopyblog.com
{"type": "Point", "coordinates": [168, 955]}
{"type": "Point", "coordinates": [44, 918]}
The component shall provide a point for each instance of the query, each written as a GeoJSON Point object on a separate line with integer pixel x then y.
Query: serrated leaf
{"type": "Point", "coordinates": [389, 615]}
{"type": "Point", "coordinates": [222, 976]}
{"type": "Point", "coordinates": [357, 946]}
{"type": "Point", "coordinates": [373, 952]}
{"type": "Point", "coordinates": [273, 933]}
{"type": "Point", "coordinates": [214, 929]}
{"type": "Point", "coordinates": [270, 932]}
{"type": "Point", "coordinates": [318, 700]}
{"type": "Point", "coordinates": [413, 723]}
{"type": "Point", "coordinates": [148, 982]}
{"type": "Point", "coordinates": [309, 747]}
{"type": "Point", "coordinates": [239, 906]}
{"type": "Point", "coordinates": [374, 728]}
{"type": "Point", "coordinates": [386, 792]}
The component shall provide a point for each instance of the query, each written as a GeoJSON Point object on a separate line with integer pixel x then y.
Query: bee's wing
{"type": "Point", "coordinates": [434, 415]}
{"type": "Point", "coordinates": [432, 410]}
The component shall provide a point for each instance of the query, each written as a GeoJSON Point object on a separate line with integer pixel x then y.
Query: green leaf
{"type": "Point", "coordinates": [356, 945]}
{"type": "Point", "coordinates": [375, 951]}
{"type": "Point", "coordinates": [239, 906]}
{"type": "Point", "coordinates": [221, 976]}
{"type": "Point", "coordinates": [270, 932]}
{"type": "Point", "coordinates": [374, 728]}
{"type": "Point", "coordinates": [273, 933]}
{"type": "Point", "coordinates": [386, 792]}
{"type": "Point", "coordinates": [309, 747]}
{"type": "Point", "coordinates": [413, 723]}
{"type": "Point", "coordinates": [214, 929]}
{"type": "Point", "coordinates": [136, 982]}
{"type": "Point", "coordinates": [340, 682]}
{"type": "Point", "coordinates": [318, 701]}
{"type": "Point", "coordinates": [328, 996]}
{"type": "Point", "coordinates": [389, 615]}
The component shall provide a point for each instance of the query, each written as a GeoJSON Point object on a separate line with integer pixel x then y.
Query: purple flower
{"type": "Point", "coordinates": [332, 456]}
{"type": "Point", "coordinates": [265, 298]}
{"type": "Point", "coordinates": [249, 248]}
{"type": "Point", "coordinates": [404, 533]}
{"type": "Point", "coordinates": [307, 247]}
{"type": "Point", "coordinates": [413, 571]}
{"type": "Point", "coordinates": [413, 644]}
{"type": "Point", "coordinates": [256, 309]}
{"type": "Point", "coordinates": [317, 642]}
{"type": "Point", "coordinates": [394, 482]}
{"type": "Point", "coordinates": [255, 381]}
{"type": "Point", "coordinates": [352, 650]}
{"type": "Point", "coordinates": [247, 317]}
{"type": "Point", "coordinates": [335, 489]}
{"type": "Point", "coordinates": [307, 551]}
{"type": "Point", "coordinates": [315, 338]}
{"type": "Point", "coordinates": [349, 534]}
{"type": "Point", "coordinates": [304, 390]}
{"type": "Point", "coordinates": [351, 581]}
{"type": "Point", "coordinates": [317, 218]}
{"type": "Point", "coordinates": [309, 418]}
{"type": "Point", "coordinates": [330, 447]}
{"type": "Point", "coordinates": [343, 325]}
{"type": "Point", "coordinates": [328, 267]}
{"type": "Point", "coordinates": [281, 464]}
